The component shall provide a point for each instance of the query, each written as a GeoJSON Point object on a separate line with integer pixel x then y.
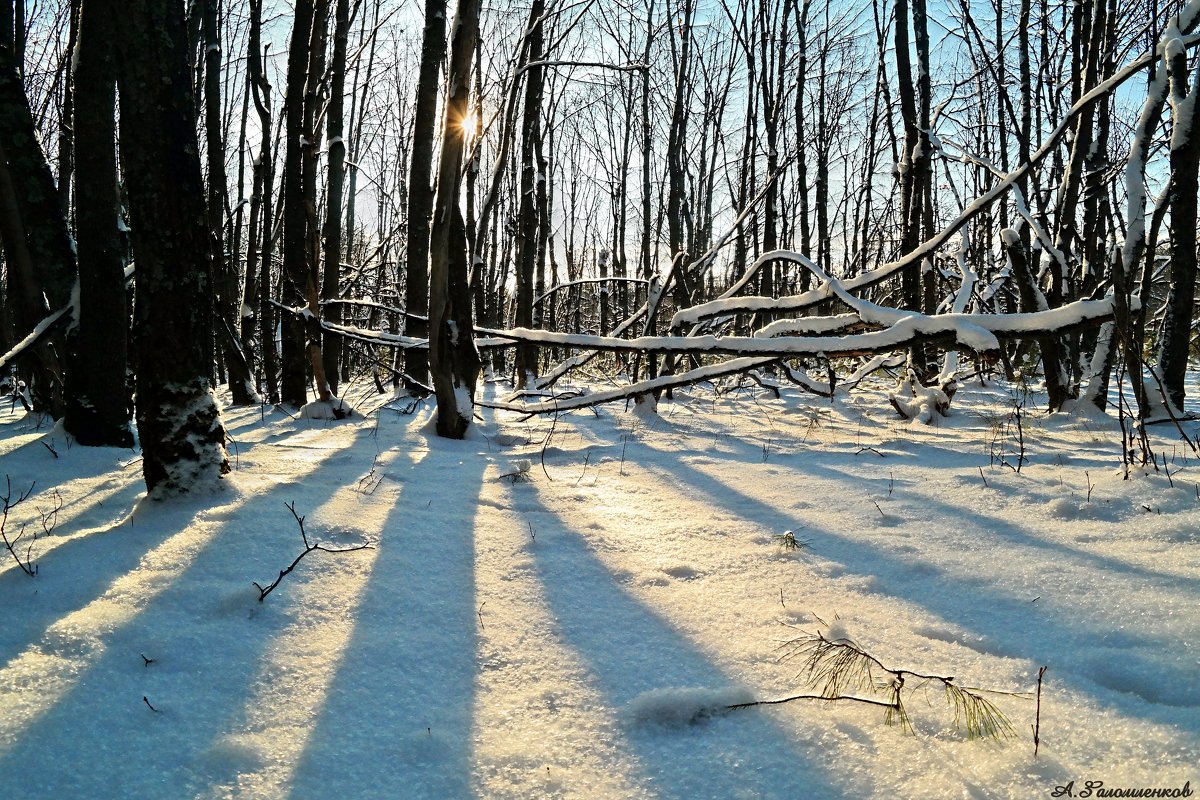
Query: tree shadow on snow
{"type": "Point", "coordinates": [631, 650]}
{"type": "Point", "coordinates": [1142, 686]}
{"type": "Point", "coordinates": [200, 626]}
{"type": "Point", "coordinates": [398, 716]}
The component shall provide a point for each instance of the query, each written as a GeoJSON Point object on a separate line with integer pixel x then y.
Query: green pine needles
{"type": "Point", "coordinates": [840, 670]}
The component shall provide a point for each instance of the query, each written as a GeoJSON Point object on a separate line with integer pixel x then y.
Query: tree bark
{"type": "Point", "coordinates": [99, 402]}
{"type": "Point", "coordinates": [294, 384]}
{"type": "Point", "coordinates": [333, 200]}
{"type": "Point", "coordinates": [36, 216]}
{"type": "Point", "coordinates": [1175, 343]}
{"type": "Point", "coordinates": [527, 216]}
{"type": "Point", "coordinates": [179, 422]}
{"type": "Point", "coordinates": [420, 187]}
{"type": "Point", "coordinates": [453, 358]}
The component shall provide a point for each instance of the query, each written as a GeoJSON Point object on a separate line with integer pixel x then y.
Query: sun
{"type": "Point", "coordinates": [469, 123]}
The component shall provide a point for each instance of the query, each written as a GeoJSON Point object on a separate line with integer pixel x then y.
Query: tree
{"type": "Point", "coordinates": [453, 358]}
{"type": "Point", "coordinates": [228, 300]}
{"type": "Point", "coordinates": [337, 172]}
{"type": "Point", "coordinates": [179, 422]}
{"type": "Point", "coordinates": [297, 272]}
{"type": "Point", "coordinates": [98, 403]}
{"type": "Point", "coordinates": [527, 216]}
{"type": "Point", "coordinates": [1176, 339]}
{"type": "Point", "coordinates": [41, 264]}
{"type": "Point", "coordinates": [420, 185]}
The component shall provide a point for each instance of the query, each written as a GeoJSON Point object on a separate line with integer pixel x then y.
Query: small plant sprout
{"type": "Point", "coordinates": [788, 541]}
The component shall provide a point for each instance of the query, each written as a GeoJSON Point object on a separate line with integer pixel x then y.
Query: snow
{"type": "Point", "coordinates": [580, 632]}
{"type": "Point", "coordinates": [334, 408]}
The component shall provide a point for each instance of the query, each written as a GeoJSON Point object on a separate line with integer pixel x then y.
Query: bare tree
{"type": "Point", "coordinates": [179, 423]}
{"type": "Point", "coordinates": [454, 361]}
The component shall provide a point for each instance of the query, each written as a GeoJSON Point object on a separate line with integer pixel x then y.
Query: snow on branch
{"type": "Point", "coordinates": [48, 326]}
{"type": "Point", "coordinates": [978, 332]}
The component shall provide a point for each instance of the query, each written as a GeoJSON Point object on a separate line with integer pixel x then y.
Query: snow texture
{"type": "Point", "coordinates": [554, 636]}
{"type": "Point", "coordinates": [332, 409]}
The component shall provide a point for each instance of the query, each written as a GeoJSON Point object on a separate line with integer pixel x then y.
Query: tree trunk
{"type": "Point", "coordinates": [453, 358]}
{"type": "Point", "coordinates": [227, 300]}
{"type": "Point", "coordinates": [294, 385]}
{"type": "Point", "coordinates": [1175, 343]}
{"type": "Point", "coordinates": [99, 402]}
{"type": "Point", "coordinates": [179, 422]}
{"type": "Point", "coordinates": [527, 216]}
{"type": "Point", "coordinates": [333, 201]}
{"type": "Point", "coordinates": [420, 187]}
{"type": "Point", "coordinates": [261, 233]}
{"type": "Point", "coordinates": [36, 216]}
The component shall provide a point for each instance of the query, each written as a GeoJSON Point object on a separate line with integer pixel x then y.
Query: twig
{"type": "Point", "coordinates": [545, 444]}
{"type": "Point", "coordinates": [146, 700]}
{"type": "Point", "coordinates": [1037, 719]}
{"type": "Point", "coordinates": [26, 566]}
{"type": "Point", "coordinates": [586, 458]}
{"type": "Point", "coordinates": [854, 698]}
{"type": "Point", "coordinates": [308, 548]}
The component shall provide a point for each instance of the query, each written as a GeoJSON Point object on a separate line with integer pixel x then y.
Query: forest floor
{"type": "Point", "coordinates": [563, 607]}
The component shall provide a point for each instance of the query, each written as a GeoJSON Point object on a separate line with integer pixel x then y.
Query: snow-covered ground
{"type": "Point", "coordinates": [548, 604]}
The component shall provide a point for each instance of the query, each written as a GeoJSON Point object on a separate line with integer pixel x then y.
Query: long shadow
{"type": "Point", "coordinates": [398, 716]}
{"type": "Point", "coordinates": [1012, 627]}
{"type": "Point", "coordinates": [62, 585]}
{"type": "Point", "coordinates": [1014, 532]}
{"type": "Point", "coordinates": [203, 633]}
{"type": "Point", "coordinates": [631, 650]}
{"type": "Point", "coordinates": [1007, 530]}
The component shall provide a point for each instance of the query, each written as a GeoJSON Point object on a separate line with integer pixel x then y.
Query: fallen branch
{"type": "Point", "coordinates": [840, 668]}
{"type": "Point", "coordinates": [978, 332]}
{"type": "Point", "coordinates": [700, 375]}
{"type": "Point", "coordinates": [51, 323]}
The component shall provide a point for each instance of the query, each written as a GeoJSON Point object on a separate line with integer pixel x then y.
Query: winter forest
{"type": "Point", "coordinates": [599, 398]}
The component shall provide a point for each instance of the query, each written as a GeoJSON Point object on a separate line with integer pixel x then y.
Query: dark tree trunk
{"type": "Point", "coordinates": [228, 298]}
{"type": "Point", "coordinates": [453, 358]}
{"type": "Point", "coordinates": [99, 401]}
{"type": "Point", "coordinates": [1185, 162]}
{"type": "Point", "coordinates": [313, 99]}
{"type": "Point", "coordinates": [179, 423]}
{"type": "Point", "coordinates": [260, 233]}
{"type": "Point", "coordinates": [527, 216]}
{"type": "Point", "coordinates": [420, 184]}
{"type": "Point", "coordinates": [34, 215]}
{"type": "Point", "coordinates": [294, 385]}
{"type": "Point", "coordinates": [333, 202]}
